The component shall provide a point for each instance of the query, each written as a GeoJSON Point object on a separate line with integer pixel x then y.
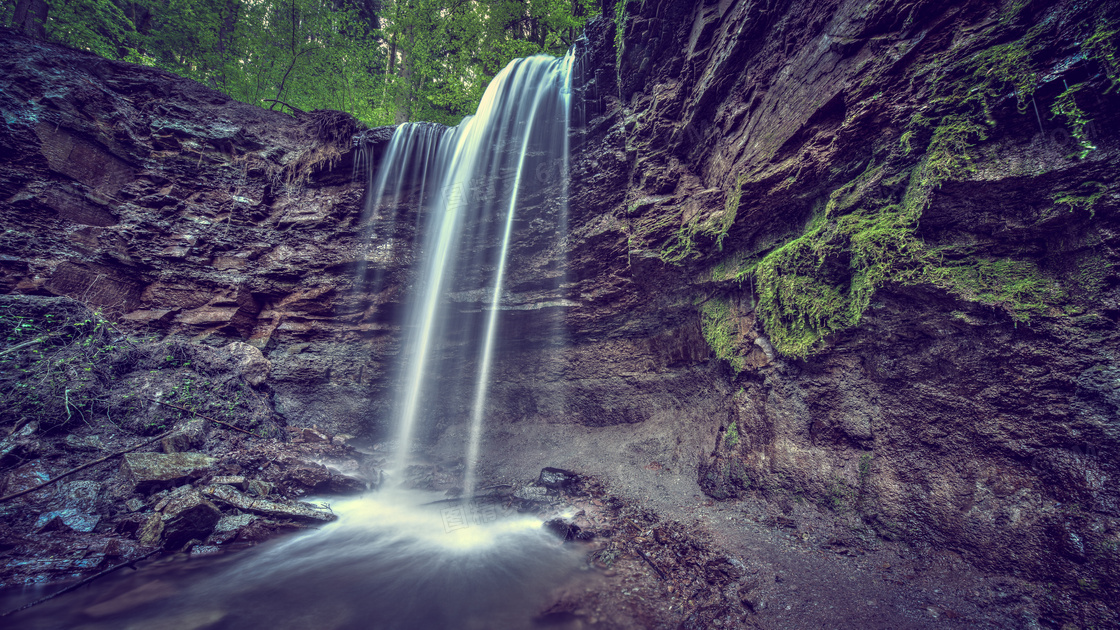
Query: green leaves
{"type": "Point", "coordinates": [382, 62]}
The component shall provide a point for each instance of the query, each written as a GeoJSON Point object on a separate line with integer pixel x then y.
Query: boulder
{"type": "Point", "coordinates": [150, 531]}
{"type": "Point", "coordinates": [299, 511]}
{"type": "Point", "coordinates": [84, 443]}
{"type": "Point", "coordinates": [313, 435]}
{"type": "Point", "coordinates": [556, 478]}
{"type": "Point", "coordinates": [259, 488]}
{"type": "Point", "coordinates": [148, 472]}
{"type": "Point", "coordinates": [237, 481]}
{"type": "Point", "coordinates": [187, 516]}
{"type": "Point", "coordinates": [191, 435]}
{"type": "Point", "coordinates": [252, 364]}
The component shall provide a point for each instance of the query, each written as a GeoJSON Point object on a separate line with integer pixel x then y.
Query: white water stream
{"type": "Point", "coordinates": [470, 181]}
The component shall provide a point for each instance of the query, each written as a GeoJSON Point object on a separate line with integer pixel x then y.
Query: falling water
{"type": "Point", "coordinates": [398, 559]}
{"type": "Point", "coordinates": [470, 182]}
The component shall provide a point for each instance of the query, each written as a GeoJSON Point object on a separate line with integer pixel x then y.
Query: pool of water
{"type": "Point", "coordinates": [391, 560]}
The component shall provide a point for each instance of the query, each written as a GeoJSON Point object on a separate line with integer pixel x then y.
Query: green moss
{"type": "Point", "coordinates": [1101, 47]}
{"type": "Point", "coordinates": [844, 197]}
{"type": "Point", "coordinates": [683, 243]}
{"type": "Point", "coordinates": [1017, 286]}
{"type": "Point", "coordinates": [863, 236]}
{"type": "Point", "coordinates": [731, 437]}
{"type": "Point", "coordinates": [1076, 119]}
{"type": "Point", "coordinates": [948, 154]}
{"type": "Point", "coordinates": [822, 282]}
{"type": "Point", "coordinates": [905, 142]}
{"type": "Point", "coordinates": [1084, 198]}
{"type": "Point", "coordinates": [721, 331]}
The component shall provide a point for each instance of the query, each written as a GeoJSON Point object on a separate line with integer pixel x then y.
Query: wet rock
{"type": "Point", "coordinates": [345, 484]}
{"type": "Point", "coordinates": [82, 494]}
{"type": "Point", "coordinates": [148, 472]}
{"type": "Point", "coordinates": [259, 488]}
{"type": "Point", "coordinates": [234, 522]}
{"type": "Point", "coordinates": [313, 477]}
{"type": "Point", "coordinates": [312, 435]}
{"type": "Point", "coordinates": [20, 443]}
{"type": "Point", "coordinates": [531, 493]}
{"type": "Point", "coordinates": [556, 478]}
{"type": "Point", "coordinates": [134, 504]}
{"type": "Point", "coordinates": [69, 518]}
{"type": "Point", "coordinates": [191, 435]}
{"type": "Point", "coordinates": [25, 477]}
{"type": "Point", "coordinates": [237, 481]}
{"type": "Point", "coordinates": [229, 528]}
{"type": "Point", "coordinates": [191, 523]}
{"type": "Point", "coordinates": [299, 511]}
{"type": "Point", "coordinates": [150, 530]}
{"type": "Point", "coordinates": [251, 363]}
{"type": "Point", "coordinates": [84, 443]}
{"type": "Point", "coordinates": [567, 530]}
{"type": "Point", "coordinates": [186, 515]}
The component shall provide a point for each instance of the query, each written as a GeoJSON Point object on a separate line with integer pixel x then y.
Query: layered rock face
{"type": "Point", "coordinates": [897, 223]}
{"type": "Point", "coordinates": [171, 208]}
{"type": "Point", "coordinates": [859, 253]}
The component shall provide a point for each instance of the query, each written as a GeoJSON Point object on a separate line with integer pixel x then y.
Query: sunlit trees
{"type": "Point", "coordinates": [384, 61]}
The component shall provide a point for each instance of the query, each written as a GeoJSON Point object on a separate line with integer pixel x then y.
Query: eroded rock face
{"type": "Point", "coordinates": [958, 414]}
{"type": "Point", "coordinates": [173, 209]}
{"type": "Point", "coordinates": [950, 410]}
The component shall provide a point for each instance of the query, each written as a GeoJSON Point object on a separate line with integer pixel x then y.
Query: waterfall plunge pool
{"type": "Point", "coordinates": [392, 560]}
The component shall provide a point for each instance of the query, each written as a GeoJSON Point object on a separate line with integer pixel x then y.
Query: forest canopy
{"type": "Point", "coordinates": [384, 61]}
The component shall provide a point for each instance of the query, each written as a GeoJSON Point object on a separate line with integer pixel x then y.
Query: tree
{"type": "Point", "coordinates": [30, 18]}
{"type": "Point", "coordinates": [384, 61]}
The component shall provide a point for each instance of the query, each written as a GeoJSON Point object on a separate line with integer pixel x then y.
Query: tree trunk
{"type": "Point", "coordinates": [31, 18]}
{"type": "Point", "coordinates": [404, 84]}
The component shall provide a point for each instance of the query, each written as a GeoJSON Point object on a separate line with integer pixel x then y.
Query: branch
{"type": "Point", "coordinates": [660, 573]}
{"type": "Point", "coordinates": [23, 345]}
{"type": "Point", "coordinates": [291, 107]}
{"type": "Point", "coordinates": [84, 466]}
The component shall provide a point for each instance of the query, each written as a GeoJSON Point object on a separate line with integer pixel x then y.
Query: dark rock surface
{"type": "Point", "coordinates": [944, 424]}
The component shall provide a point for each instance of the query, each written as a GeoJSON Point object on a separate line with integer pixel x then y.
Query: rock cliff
{"type": "Point", "coordinates": [854, 255]}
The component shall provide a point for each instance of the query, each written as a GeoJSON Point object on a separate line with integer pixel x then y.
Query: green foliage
{"type": "Point", "coordinates": [731, 436]}
{"type": "Point", "coordinates": [383, 62]}
{"type": "Point", "coordinates": [1017, 286]}
{"type": "Point", "coordinates": [52, 368]}
{"type": "Point", "coordinates": [721, 331]}
{"type": "Point", "coordinates": [948, 152]}
{"type": "Point", "coordinates": [1084, 198]}
{"type": "Point", "coordinates": [1076, 120]}
{"type": "Point", "coordinates": [822, 282]}
{"type": "Point", "coordinates": [1102, 48]}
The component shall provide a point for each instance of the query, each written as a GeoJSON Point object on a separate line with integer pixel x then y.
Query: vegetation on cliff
{"type": "Point", "coordinates": [866, 233]}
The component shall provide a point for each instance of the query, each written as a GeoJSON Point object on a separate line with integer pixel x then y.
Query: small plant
{"type": "Point", "coordinates": [731, 437]}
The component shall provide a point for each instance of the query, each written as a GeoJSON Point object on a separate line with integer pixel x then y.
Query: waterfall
{"type": "Point", "coordinates": [469, 183]}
